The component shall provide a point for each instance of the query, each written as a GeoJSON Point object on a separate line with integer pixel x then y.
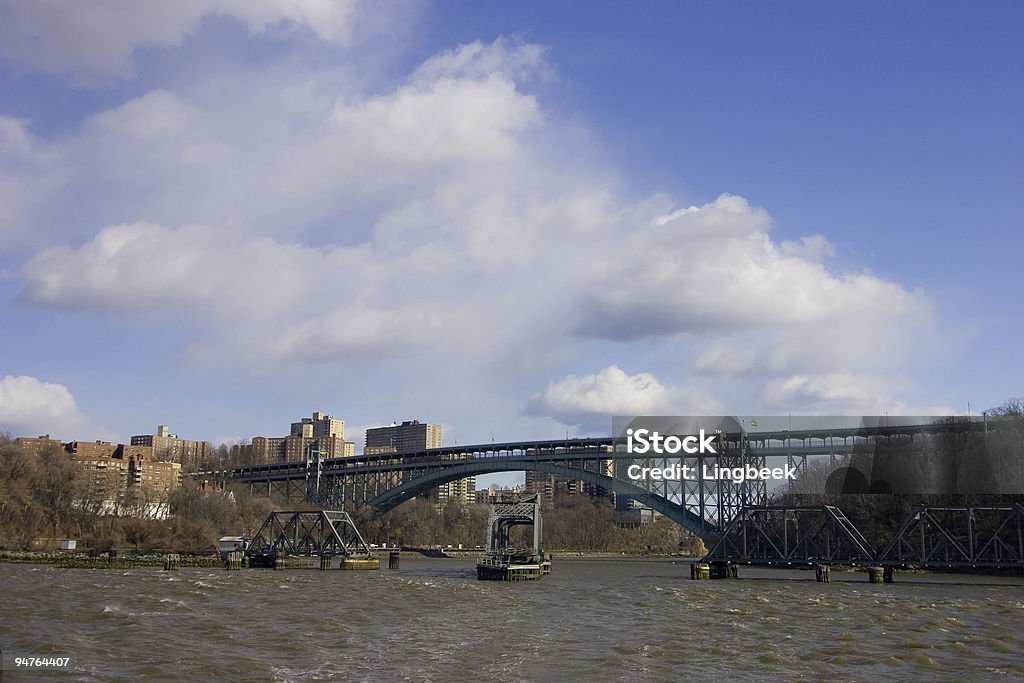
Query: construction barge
{"type": "Point", "coordinates": [502, 563]}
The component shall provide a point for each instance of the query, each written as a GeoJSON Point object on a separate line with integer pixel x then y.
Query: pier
{"type": "Point", "coordinates": [504, 563]}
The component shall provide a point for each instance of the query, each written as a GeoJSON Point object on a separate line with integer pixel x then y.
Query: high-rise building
{"type": "Point", "coordinates": [462, 490]}
{"type": "Point", "coordinates": [541, 483]}
{"type": "Point", "coordinates": [408, 437]}
{"type": "Point", "coordinates": [322, 434]}
{"type": "Point", "coordinates": [319, 425]}
{"type": "Point", "coordinates": [296, 448]}
{"type": "Point", "coordinates": [91, 449]}
{"type": "Point", "coordinates": [154, 476]}
{"type": "Point", "coordinates": [548, 484]}
{"type": "Point", "coordinates": [413, 436]}
{"type": "Point", "coordinates": [105, 478]}
{"type": "Point", "coordinates": [37, 444]}
{"type": "Point", "coordinates": [265, 450]}
{"type": "Point", "coordinates": [110, 472]}
{"type": "Point", "coordinates": [168, 447]}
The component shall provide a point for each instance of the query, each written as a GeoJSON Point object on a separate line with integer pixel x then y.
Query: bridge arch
{"type": "Point", "coordinates": [673, 511]}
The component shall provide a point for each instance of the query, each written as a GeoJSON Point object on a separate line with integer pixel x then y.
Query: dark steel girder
{"type": "Point", "coordinates": [454, 471]}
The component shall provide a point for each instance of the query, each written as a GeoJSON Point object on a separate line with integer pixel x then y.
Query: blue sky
{"type": "Point", "coordinates": [515, 219]}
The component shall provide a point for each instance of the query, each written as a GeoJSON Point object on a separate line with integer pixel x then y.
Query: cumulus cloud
{"type": "Point", "coordinates": [512, 59]}
{"type": "Point", "coordinates": [271, 153]}
{"type": "Point", "coordinates": [840, 392]}
{"type": "Point", "coordinates": [144, 267]}
{"type": "Point", "coordinates": [302, 218]}
{"type": "Point", "coordinates": [445, 121]}
{"type": "Point", "coordinates": [95, 41]}
{"type": "Point", "coordinates": [29, 407]}
{"type": "Point", "coordinates": [590, 401]}
{"type": "Point", "coordinates": [714, 269]}
{"type": "Point", "coordinates": [259, 291]}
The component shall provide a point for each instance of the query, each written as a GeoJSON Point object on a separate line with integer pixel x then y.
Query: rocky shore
{"type": "Point", "coordinates": [105, 560]}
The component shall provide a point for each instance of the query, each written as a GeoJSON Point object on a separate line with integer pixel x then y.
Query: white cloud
{"type": "Point", "coordinates": [713, 269]}
{"type": "Point", "coordinates": [146, 268]}
{"type": "Point", "coordinates": [30, 407]}
{"type": "Point", "coordinates": [814, 247]}
{"type": "Point", "coordinates": [95, 41]}
{"type": "Point", "coordinates": [269, 152]}
{"type": "Point", "coordinates": [446, 121]}
{"type": "Point", "coordinates": [295, 217]}
{"type": "Point", "coordinates": [845, 393]}
{"type": "Point", "coordinates": [511, 59]}
{"type": "Point", "coordinates": [590, 401]}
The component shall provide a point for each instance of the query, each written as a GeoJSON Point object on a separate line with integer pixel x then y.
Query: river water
{"type": "Point", "coordinates": [431, 620]}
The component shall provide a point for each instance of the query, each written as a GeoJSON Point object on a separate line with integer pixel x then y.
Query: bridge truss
{"type": "Point", "coordinates": [935, 537]}
{"type": "Point", "coordinates": [308, 533]}
{"type": "Point", "coordinates": [704, 507]}
{"type": "Point", "coordinates": [386, 480]}
{"type": "Point", "coordinates": [507, 513]}
{"type": "Point", "coordinates": [787, 535]}
{"type": "Point", "coordinates": [960, 536]}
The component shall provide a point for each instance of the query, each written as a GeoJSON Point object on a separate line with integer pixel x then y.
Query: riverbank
{"type": "Point", "coordinates": [84, 561]}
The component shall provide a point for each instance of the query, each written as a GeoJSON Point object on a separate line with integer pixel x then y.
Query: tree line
{"type": "Point", "coordinates": [44, 494]}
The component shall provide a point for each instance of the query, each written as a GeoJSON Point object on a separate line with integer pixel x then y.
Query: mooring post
{"type": "Point", "coordinates": [234, 560]}
{"type": "Point", "coordinates": [393, 559]}
{"type": "Point", "coordinates": [823, 573]}
{"type": "Point", "coordinates": [172, 561]}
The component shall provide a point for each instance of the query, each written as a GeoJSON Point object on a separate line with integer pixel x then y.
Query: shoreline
{"type": "Point", "coordinates": [127, 561]}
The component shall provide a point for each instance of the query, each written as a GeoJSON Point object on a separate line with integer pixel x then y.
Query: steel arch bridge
{"type": "Point", "coordinates": [385, 481]}
{"type": "Point", "coordinates": [659, 503]}
{"type": "Point", "coordinates": [703, 507]}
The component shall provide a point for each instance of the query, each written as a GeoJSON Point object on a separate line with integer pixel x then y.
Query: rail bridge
{"type": "Point", "coordinates": [704, 507]}
{"type": "Point", "coordinates": [948, 537]}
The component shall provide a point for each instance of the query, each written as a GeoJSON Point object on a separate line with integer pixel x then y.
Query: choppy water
{"type": "Point", "coordinates": [602, 620]}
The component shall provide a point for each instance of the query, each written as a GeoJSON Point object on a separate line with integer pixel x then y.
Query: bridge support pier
{"type": "Point", "coordinates": [325, 562]}
{"type": "Point", "coordinates": [725, 570]}
{"type": "Point", "coordinates": [393, 559]}
{"type": "Point", "coordinates": [823, 573]}
{"type": "Point", "coordinates": [700, 571]}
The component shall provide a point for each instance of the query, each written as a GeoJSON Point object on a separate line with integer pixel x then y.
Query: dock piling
{"type": "Point", "coordinates": [700, 571]}
{"type": "Point", "coordinates": [234, 560]}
